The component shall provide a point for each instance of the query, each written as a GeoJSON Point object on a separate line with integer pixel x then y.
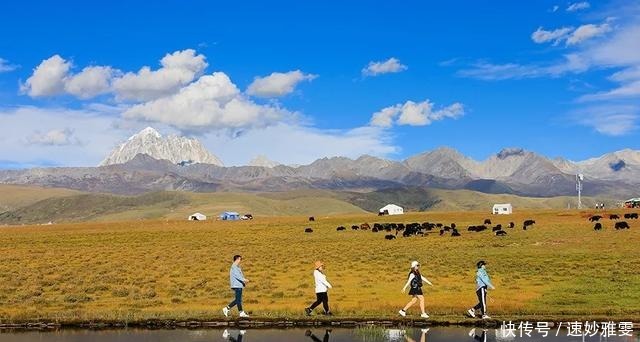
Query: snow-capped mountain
{"type": "Point", "coordinates": [263, 161]}
{"type": "Point", "coordinates": [178, 150]}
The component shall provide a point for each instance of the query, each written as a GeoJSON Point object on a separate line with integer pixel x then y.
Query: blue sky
{"type": "Point", "coordinates": [561, 78]}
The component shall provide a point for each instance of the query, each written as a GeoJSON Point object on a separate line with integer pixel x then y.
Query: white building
{"type": "Point", "coordinates": [197, 217]}
{"type": "Point", "coordinates": [391, 209]}
{"type": "Point", "coordinates": [502, 209]}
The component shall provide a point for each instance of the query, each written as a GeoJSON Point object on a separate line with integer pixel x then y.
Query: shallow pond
{"type": "Point", "coordinates": [372, 334]}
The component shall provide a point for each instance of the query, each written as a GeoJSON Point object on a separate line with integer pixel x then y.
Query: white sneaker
{"type": "Point", "coordinates": [225, 334]}
{"type": "Point", "coordinates": [402, 313]}
{"type": "Point", "coordinates": [225, 311]}
{"type": "Point", "coordinates": [243, 314]}
{"type": "Point", "coordinates": [472, 313]}
{"type": "Point", "coordinates": [242, 332]}
{"type": "Point", "coordinates": [424, 331]}
{"type": "Point", "coordinates": [424, 315]}
{"type": "Point", "coordinates": [485, 316]}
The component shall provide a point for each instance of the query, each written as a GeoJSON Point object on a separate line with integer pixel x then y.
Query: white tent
{"type": "Point", "coordinates": [502, 209]}
{"type": "Point", "coordinates": [197, 217]}
{"type": "Point", "coordinates": [391, 209]}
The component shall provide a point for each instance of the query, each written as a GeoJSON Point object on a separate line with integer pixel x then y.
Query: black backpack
{"type": "Point", "coordinates": [416, 282]}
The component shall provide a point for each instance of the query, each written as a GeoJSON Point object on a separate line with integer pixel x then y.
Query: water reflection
{"type": "Point", "coordinates": [363, 334]}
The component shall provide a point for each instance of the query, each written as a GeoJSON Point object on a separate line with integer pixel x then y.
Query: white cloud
{"type": "Point", "coordinates": [295, 144]}
{"type": "Point", "coordinates": [178, 69]}
{"type": "Point", "coordinates": [278, 84]}
{"type": "Point", "coordinates": [391, 65]}
{"type": "Point", "coordinates": [213, 102]}
{"type": "Point", "coordinates": [586, 32]}
{"type": "Point", "coordinates": [612, 120]}
{"type": "Point", "coordinates": [572, 63]}
{"type": "Point", "coordinates": [90, 82]}
{"type": "Point", "coordinates": [415, 114]}
{"type": "Point", "coordinates": [95, 130]}
{"type": "Point", "coordinates": [555, 8]}
{"type": "Point", "coordinates": [577, 6]}
{"type": "Point", "coordinates": [542, 36]}
{"type": "Point", "coordinates": [48, 78]}
{"type": "Point", "coordinates": [5, 66]}
{"type": "Point", "coordinates": [54, 137]}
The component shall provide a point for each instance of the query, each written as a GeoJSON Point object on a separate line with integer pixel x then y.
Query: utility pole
{"type": "Point", "coordinates": [579, 180]}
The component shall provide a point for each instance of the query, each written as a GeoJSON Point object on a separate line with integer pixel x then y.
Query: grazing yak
{"type": "Point", "coordinates": [501, 233]}
{"type": "Point", "coordinates": [455, 233]}
{"type": "Point", "coordinates": [598, 226]}
{"type": "Point", "coordinates": [631, 215]}
{"type": "Point", "coordinates": [341, 228]}
{"type": "Point", "coordinates": [441, 232]}
{"type": "Point", "coordinates": [308, 230]}
{"type": "Point", "coordinates": [355, 227]}
{"type": "Point", "coordinates": [311, 218]}
{"type": "Point", "coordinates": [377, 226]}
{"type": "Point", "coordinates": [621, 225]}
{"type": "Point", "coordinates": [453, 225]}
{"type": "Point", "coordinates": [375, 230]}
{"type": "Point", "coordinates": [511, 225]}
{"type": "Point", "coordinates": [487, 221]}
{"type": "Point", "coordinates": [595, 218]}
{"type": "Point", "coordinates": [365, 226]}
{"type": "Point", "coordinates": [439, 225]}
{"type": "Point", "coordinates": [527, 223]}
{"type": "Point", "coordinates": [390, 237]}
{"type": "Point", "coordinates": [497, 228]}
{"type": "Point", "coordinates": [614, 217]}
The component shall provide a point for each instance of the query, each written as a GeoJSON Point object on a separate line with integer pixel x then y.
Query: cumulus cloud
{"type": "Point", "coordinates": [54, 137]}
{"type": "Point", "coordinates": [577, 6]}
{"type": "Point", "coordinates": [53, 77]}
{"type": "Point", "coordinates": [278, 84]}
{"type": "Point", "coordinates": [542, 36]}
{"type": "Point", "coordinates": [178, 69]}
{"type": "Point", "coordinates": [213, 102]}
{"type": "Point", "coordinates": [391, 65]}
{"type": "Point", "coordinates": [415, 114]}
{"type": "Point", "coordinates": [48, 78]}
{"type": "Point", "coordinates": [90, 82]}
{"type": "Point", "coordinates": [586, 32]}
{"type": "Point", "coordinates": [5, 66]}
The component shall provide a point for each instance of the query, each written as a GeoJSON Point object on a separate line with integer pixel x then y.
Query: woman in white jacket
{"type": "Point", "coordinates": [322, 286]}
{"type": "Point", "coordinates": [415, 281]}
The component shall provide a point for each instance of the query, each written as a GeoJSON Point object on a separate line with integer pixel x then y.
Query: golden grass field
{"type": "Point", "coordinates": [159, 269]}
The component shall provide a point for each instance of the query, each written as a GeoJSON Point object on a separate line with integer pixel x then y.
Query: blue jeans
{"type": "Point", "coordinates": [238, 300]}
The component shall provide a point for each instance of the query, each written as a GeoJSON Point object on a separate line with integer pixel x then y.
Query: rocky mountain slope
{"type": "Point", "coordinates": [178, 150]}
{"type": "Point", "coordinates": [175, 163]}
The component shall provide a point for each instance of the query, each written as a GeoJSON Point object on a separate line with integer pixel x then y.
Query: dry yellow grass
{"type": "Point", "coordinates": [178, 269]}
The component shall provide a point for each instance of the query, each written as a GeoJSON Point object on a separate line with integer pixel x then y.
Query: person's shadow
{"type": "Point", "coordinates": [315, 338]}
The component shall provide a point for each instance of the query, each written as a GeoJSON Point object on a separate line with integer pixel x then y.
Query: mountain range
{"type": "Point", "coordinates": [150, 162]}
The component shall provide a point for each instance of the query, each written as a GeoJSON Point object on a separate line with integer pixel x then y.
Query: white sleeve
{"type": "Point", "coordinates": [411, 276]}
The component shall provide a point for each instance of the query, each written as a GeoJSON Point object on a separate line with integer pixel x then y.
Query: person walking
{"type": "Point", "coordinates": [238, 282]}
{"type": "Point", "coordinates": [482, 283]}
{"type": "Point", "coordinates": [415, 281]}
{"type": "Point", "coordinates": [322, 286]}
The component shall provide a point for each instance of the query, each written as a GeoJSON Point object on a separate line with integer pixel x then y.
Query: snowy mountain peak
{"type": "Point", "coordinates": [263, 161]}
{"type": "Point", "coordinates": [176, 149]}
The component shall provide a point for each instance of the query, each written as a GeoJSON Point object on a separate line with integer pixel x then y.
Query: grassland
{"type": "Point", "coordinates": [32, 205]}
{"type": "Point", "coordinates": [164, 269]}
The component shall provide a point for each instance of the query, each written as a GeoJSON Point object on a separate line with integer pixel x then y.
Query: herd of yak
{"type": "Point", "coordinates": [618, 225]}
{"type": "Point", "coordinates": [420, 229]}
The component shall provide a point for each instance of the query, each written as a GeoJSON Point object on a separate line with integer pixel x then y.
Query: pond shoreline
{"type": "Point", "coordinates": [283, 323]}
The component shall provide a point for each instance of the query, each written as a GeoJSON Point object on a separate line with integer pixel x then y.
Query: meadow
{"type": "Point", "coordinates": [174, 269]}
